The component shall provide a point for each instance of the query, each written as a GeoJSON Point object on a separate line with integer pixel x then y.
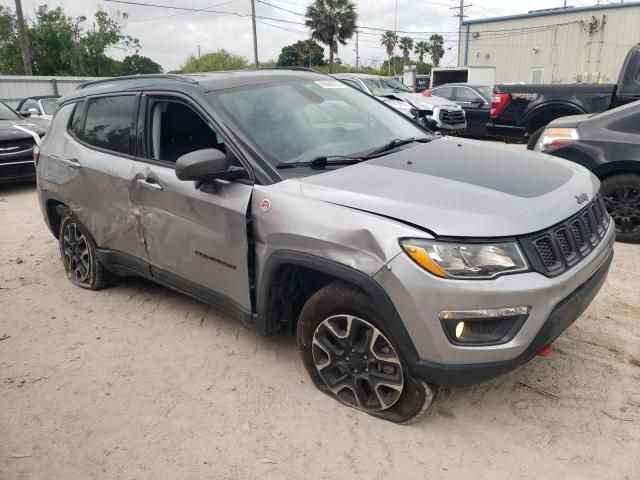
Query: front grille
{"type": "Point", "coordinates": [562, 246]}
{"type": "Point", "coordinates": [13, 150]}
{"type": "Point", "coordinates": [452, 117]}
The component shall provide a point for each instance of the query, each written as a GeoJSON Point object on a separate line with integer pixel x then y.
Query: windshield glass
{"type": "Point", "coordinates": [385, 86]}
{"type": "Point", "coordinates": [485, 91]}
{"type": "Point", "coordinates": [7, 114]}
{"type": "Point", "coordinates": [49, 105]}
{"type": "Point", "coordinates": [299, 121]}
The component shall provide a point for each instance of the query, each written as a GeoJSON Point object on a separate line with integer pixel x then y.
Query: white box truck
{"type": "Point", "coordinates": [475, 75]}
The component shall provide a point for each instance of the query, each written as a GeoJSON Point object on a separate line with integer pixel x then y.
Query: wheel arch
{"type": "Point", "coordinates": [541, 115]}
{"type": "Point", "coordinates": [273, 285]}
{"type": "Point", "coordinates": [620, 167]}
{"type": "Point", "coordinates": [55, 210]}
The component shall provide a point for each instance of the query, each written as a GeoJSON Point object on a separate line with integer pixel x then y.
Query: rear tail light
{"type": "Point", "coordinates": [553, 138]}
{"type": "Point", "coordinates": [427, 93]}
{"type": "Point", "coordinates": [36, 155]}
{"type": "Point", "coordinates": [498, 102]}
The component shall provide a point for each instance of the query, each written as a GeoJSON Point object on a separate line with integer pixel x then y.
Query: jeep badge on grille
{"type": "Point", "coordinates": [581, 198]}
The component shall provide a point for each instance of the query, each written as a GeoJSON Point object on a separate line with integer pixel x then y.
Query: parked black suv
{"type": "Point", "coordinates": [608, 144]}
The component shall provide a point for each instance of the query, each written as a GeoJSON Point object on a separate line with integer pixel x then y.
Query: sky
{"type": "Point", "coordinates": [169, 36]}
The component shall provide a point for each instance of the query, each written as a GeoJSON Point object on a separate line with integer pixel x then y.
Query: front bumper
{"type": "Point", "coordinates": [18, 170]}
{"type": "Point", "coordinates": [555, 303]}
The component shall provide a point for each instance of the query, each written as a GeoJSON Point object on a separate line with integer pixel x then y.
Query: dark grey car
{"type": "Point", "coordinates": [401, 260]}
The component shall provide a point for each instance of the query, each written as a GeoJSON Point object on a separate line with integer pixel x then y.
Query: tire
{"type": "Point", "coordinates": [535, 136]}
{"type": "Point", "coordinates": [78, 252]}
{"type": "Point", "coordinates": [346, 348]}
{"type": "Point", "coordinates": [621, 195]}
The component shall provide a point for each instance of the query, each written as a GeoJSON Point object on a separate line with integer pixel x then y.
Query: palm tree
{"type": "Point", "coordinates": [389, 41]}
{"type": "Point", "coordinates": [436, 48]}
{"type": "Point", "coordinates": [422, 48]}
{"type": "Point", "coordinates": [331, 22]}
{"type": "Point", "coordinates": [406, 45]}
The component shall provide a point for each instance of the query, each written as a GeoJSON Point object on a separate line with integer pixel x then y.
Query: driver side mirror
{"type": "Point", "coordinates": [478, 101]}
{"type": "Point", "coordinates": [25, 113]}
{"type": "Point", "coordinates": [206, 164]}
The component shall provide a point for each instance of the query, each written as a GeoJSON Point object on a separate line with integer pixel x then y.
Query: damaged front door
{"type": "Point", "coordinates": [196, 239]}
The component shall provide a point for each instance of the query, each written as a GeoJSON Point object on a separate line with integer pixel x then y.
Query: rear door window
{"type": "Point", "coordinates": [109, 123]}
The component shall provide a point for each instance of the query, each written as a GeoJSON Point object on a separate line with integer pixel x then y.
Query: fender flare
{"type": "Point", "coordinates": [618, 167]}
{"type": "Point", "coordinates": [392, 321]}
{"type": "Point", "coordinates": [544, 108]}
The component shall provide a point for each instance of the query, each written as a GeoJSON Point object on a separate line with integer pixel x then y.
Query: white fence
{"type": "Point", "coordinates": [14, 88]}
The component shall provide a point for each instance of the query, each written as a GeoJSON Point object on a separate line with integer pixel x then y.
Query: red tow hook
{"type": "Point", "coordinates": [545, 351]}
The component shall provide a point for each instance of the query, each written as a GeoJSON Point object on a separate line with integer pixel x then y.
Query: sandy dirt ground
{"type": "Point", "coordinates": [138, 382]}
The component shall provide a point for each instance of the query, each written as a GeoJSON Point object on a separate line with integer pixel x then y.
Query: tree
{"type": "Point", "coordinates": [10, 56]}
{"type": "Point", "coordinates": [139, 64]}
{"type": "Point", "coordinates": [406, 45]}
{"type": "Point", "coordinates": [389, 41]}
{"type": "Point", "coordinates": [332, 22]}
{"type": "Point", "coordinates": [422, 48]}
{"type": "Point", "coordinates": [436, 49]}
{"type": "Point", "coordinates": [214, 61]}
{"type": "Point", "coordinates": [304, 53]}
{"type": "Point", "coordinates": [389, 66]}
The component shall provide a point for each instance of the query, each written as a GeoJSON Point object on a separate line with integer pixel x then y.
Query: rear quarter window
{"type": "Point", "coordinates": [109, 123]}
{"type": "Point", "coordinates": [75, 123]}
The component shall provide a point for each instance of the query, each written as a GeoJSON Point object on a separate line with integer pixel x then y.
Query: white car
{"type": "Point", "coordinates": [38, 109]}
{"type": "Point", "coordinates": [436, 113]}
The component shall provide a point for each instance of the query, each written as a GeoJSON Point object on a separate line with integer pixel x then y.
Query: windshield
{"type": "Point", "coordinates": [485, 91]}
{"type": "Point", "coordinates": [299, 121]}
{"type": "Point", "coordinates": [385, 86]}
{"type": "Point", "coordinates": [7, 114]}
{"type": "Point", "coordinates": [49, 105]}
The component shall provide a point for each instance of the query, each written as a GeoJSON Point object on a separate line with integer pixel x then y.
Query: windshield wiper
{"type": "Point", "coordinates": [398, 142]}
{"type": "Point", "coordinates": [321, 162]}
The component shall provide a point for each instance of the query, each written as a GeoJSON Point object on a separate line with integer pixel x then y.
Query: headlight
{"type": "Point", "coordinates": [466, 260]}
{"type": "Point", "coordinates": [553, 138]}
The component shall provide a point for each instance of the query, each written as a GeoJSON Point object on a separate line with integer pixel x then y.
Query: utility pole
{"type": "Point", "coordinates": [24, 40]}
{"type": "Point", "coordinates": [461, 16]}
{"type": "Point", "coordinates": [255, 38]}
{"type": "Point", "coordinates": [395, 31]}
{"type": "Point", "coordinates": [198, 52]}
{"type": "Point", "coordinates": [357, 58]}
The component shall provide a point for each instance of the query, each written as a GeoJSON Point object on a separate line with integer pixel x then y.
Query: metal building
{"type": "Point", "coordinates": [564, 45]}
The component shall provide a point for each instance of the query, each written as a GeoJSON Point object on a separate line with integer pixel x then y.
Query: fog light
{"type": "Point", "coordinates": [483, 326]}
{"type": "Point", "coordinates": [459, 329]}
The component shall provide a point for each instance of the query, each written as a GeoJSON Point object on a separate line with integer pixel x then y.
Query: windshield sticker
{"type": "Point", "coordinates": [330, 84]}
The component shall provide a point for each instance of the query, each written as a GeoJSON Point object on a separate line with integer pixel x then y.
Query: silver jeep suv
{"type": "Point", "coordinates": [401, 261]}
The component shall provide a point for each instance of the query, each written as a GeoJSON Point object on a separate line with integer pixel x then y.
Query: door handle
{"type": "Point", "coordinates": [71, 162]}
{"type": "Point", "coordinates": [149, 183]}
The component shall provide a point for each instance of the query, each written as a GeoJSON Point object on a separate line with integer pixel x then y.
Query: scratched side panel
{"type": "Point", "coordinates": [97, 192]}
{"type": "Point", "coordinates": [360, 240]}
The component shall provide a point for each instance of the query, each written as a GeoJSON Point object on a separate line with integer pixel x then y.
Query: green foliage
{"type": "Point", "coordinates": [303, 53]}
{"type": "Point", "coordinates": [436, 49]}
{"type": "Point", "coordinates": [331, 22]}
{"type": "Point", "coordinates": [421, 49]}
{"type": "Point", "coordinates": [63, 45]}
{"type": "Point", "coordinates": [10, 56]}
{"type": "Point", "coordinates": [389, 41]}
{"type": "Point", "coordinates": [214, 61]}
{"type": "Point", "coordinates": [393, 66]}
{"type": "Point", "coordinates": [406, 45]}
{"type": "Point", "coordinates": [139, 64]}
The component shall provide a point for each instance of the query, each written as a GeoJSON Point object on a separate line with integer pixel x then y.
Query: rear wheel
{"type": "Point", "coordinates": [622, 198]}
{"type": "Point", "coordinates": [78, 254]}
{"type": "Point", "coordinates": [350, 357]}
{"type": "Point", "coordinates": [535, 136]}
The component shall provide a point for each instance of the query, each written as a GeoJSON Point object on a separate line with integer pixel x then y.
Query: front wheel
{"type": "Point", "coordinates": [621, 195]}
{"type": "Point", "coordinates": [351, 358]}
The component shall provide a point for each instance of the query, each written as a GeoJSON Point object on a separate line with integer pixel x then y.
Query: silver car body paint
{"type": "Point", "coordinates": [499, 194]}
{"type": "Point", "coordinates": [353, 216]}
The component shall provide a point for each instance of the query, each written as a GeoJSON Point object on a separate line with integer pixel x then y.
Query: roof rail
{"type": "Point", "coordinates": [303, 69]}
{"type": "Point", "coordinates": [173, 76]}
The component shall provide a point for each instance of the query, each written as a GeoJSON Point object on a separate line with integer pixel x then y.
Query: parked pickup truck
{"type": "Point", "coordinates": [523, 111]}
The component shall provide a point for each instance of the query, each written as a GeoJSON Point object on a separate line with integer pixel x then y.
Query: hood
{"type": "Point", "coordinates": [426, 103]}
{"type": "Point", "coordinates": [461, 188]}
{"type": "Point", "coordinates": [8, 130]}
{"type": "Point", "coordinates": [571, 121]}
